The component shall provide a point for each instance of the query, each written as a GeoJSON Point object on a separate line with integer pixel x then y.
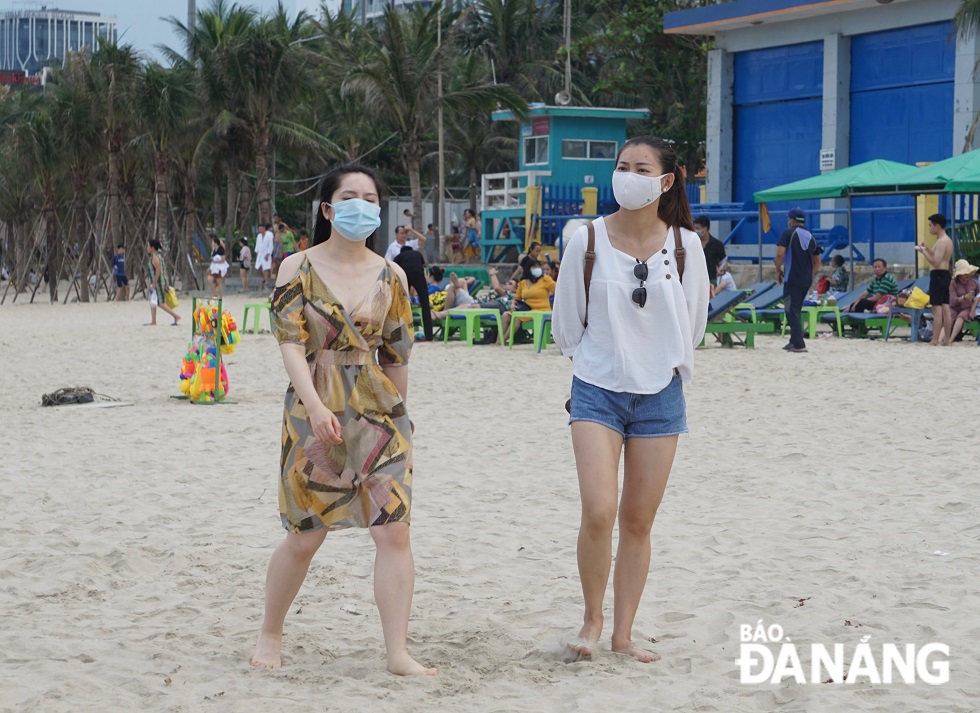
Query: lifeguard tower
{"type": "Point", "coordinates": [566, 159]}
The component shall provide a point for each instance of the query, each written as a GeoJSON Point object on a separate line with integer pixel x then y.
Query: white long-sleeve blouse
{"type": "Point", "coordinates": [628, 348]}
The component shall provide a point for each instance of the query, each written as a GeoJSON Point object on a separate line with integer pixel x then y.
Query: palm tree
{"type": "Point", "coordinates": [252, 71]}
{"type": "Point", "coordinates": [74, 108]}
{"type": "Point", "coordinates": [477, 143]}
{"type": "Point", "coordinates": [164, 102]}
{"type": "Point", "coordinates": [35, 140]}
{"type": "Point", "coordinates": [520, 39]}
{"type": "Point", "coordinates": [399, 84]}
{"type": "Point", "coordinates": [113, 74]}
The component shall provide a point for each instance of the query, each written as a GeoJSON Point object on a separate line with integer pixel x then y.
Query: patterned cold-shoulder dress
{"type": "Point", "coordinates": [367, 479]}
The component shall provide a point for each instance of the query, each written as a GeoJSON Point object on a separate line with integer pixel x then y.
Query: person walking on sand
{"type": "Point", "coordinates": [157, 270]}
{"type": "Point", "coordinates": [630, 319]}
{"type": "Point", "coordinates": [344, 325]}
{"type": "Point", "coordinates": [797, 261]}
{"type": "Point", "coordinates": [939, 256]}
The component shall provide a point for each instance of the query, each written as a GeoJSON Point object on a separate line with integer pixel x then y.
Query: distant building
{"type": "Point", "coordinates": [33, 39]}
{"type": "Point", "coordinates": [800, 87]}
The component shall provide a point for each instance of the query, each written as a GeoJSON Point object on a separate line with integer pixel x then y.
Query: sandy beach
{"type": "Point", "coordinates": [829, 493]}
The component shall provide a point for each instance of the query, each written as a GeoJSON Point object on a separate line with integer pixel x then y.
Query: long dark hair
{"type": "Point", "coordinates": [674, 208]}
{"type": "Point", "coordinates": [328, 186]}
{"type": "Point", "coordinates": [436, 272]}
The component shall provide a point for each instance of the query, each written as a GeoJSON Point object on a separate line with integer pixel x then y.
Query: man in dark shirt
{"type": "Point", "coordinates": [797, 260]}
{"type": "Point", "coordinates": [119, 272]}
{"type": "Point", "coordinates": [714, 249]}
{"type": "Point", "coordinates": [413, 263]}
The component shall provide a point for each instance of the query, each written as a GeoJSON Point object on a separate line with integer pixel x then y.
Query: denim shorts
{"type": "Point", "coordinates": [632, 415]}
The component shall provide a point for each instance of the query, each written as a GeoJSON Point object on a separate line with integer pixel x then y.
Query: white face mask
{"type": "Point", "coordinates": [633, 191]}
{"type": "Point", "coordinates": [537, 271]}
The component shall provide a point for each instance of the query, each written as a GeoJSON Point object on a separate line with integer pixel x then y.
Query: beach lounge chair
{"type": "Point", "coordinates": [722, 321]}
{"type": "Point", "coordinates": [766, 298]}
{"type": "Point", "coordinates": [915, 315]}
{"type": "Point", "coordinates": [862, 322]}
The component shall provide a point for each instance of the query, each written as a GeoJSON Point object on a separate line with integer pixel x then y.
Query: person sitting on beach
{"type": "Point", "coordinates": [725, 279]}
{"type": "Point", "coordinates": [437, 278]}
{"type": "Point", "coordinates": [457, 296]}
{"type": "Point", "coordinates": [839, 278]}
{"type": "Point", "coordinates": [964, 292]}
{"type": "Point", "coordinates": [502, 302]}
{"type": "Point", "coordinates": [532, 294]}
{"type": "Point", "coordinates": [883, 284]}
{"type": "Point", "coordinates": [524, 260]}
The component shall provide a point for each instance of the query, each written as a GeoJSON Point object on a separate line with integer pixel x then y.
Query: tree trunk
{"type": "Point", "coordinates": [216, 220]}
{"type": "Point", "coordinates": [261, 146]}
{"type": "Point", "coordinates": [78, 233]}
{"type": "Point", "coordinates": [160, 203]}
{"type": "Point", "coordinates": [115, 196]}
{"type": "Point", "coordinates": [187, 239]}
{"type": "Point", "coordinates": [473, 178]}
{"type": "Point", "coordinates": [415, 180]}
{"type": "Point", "coordinates": [231, 207]}
{"type": "Point", "coordinates": [244, 206]}
{"type": "Point", "coordinates": [51, 234]}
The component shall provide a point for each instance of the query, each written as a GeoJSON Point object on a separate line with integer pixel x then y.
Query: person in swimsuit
{"type": "Point", "coordinates": [939, 256]}
{"type": "Point", "coordinates": [344, 325]}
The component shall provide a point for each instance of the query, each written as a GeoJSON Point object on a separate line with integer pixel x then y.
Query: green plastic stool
{"type": "Point", "coordinates": [256, 309]}
{"type": "Point", "coordinates": [540, 322]}
{"type": "Point", "coordinates": [472, 321]}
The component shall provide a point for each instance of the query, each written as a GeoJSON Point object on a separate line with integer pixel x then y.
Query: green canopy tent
{"type": "Point", "coordinates": [958, 174]}
{"type": "Point", "coordinates": [835, 184]}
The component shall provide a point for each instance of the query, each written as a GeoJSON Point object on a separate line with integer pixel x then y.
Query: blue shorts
{"type": "Point", "coordinates": [632, 415]}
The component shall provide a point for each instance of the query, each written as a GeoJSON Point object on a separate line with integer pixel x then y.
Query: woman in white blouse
{"type": "Point", "coordinates": [632, 340]}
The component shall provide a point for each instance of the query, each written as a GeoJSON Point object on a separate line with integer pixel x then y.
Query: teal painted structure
{"type": "Point", "coordinates": [578, 146]}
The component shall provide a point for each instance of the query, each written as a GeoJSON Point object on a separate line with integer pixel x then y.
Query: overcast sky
{"type": "Point", "coordinates": [141, 22]}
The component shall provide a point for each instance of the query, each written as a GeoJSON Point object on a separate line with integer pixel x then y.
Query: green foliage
{"type": "Point", "coordinates": [635, 64]}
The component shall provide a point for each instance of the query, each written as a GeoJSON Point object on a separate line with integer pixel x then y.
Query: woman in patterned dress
{"type": "Point", "coordinates": [344, 325]}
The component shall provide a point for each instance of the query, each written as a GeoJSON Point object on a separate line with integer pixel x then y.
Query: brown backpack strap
{"type": "Point", "coordinates": [589, 262]}
{"type": "Point", "coordinates": [680, 254]}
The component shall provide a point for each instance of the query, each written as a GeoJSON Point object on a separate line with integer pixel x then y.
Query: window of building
{"type": "Point", "coordinates": [535, 150]}
{"type": "Point", "coordinates": [571, 148]}
{"type": "Point", "coordinates": [585, 149]}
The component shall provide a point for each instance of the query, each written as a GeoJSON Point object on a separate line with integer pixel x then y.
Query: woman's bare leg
{"type": "Point", "coordinates": [287, 569]}
{"type": "Point", "coordinates": [647, 467]}
{"type": "Point", "coordinates": [597, 451]}
{"type": "Point", "coordinates": [394, 585]}
{"type": "Point", "coordinates": [169, 311]}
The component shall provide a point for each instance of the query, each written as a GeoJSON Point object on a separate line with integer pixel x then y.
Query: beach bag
{"type": "Point", "coordinates": [69, 395]}
{"type": "Point", "coordinates": [885, 304]}
{"type": "Point", "coordinates": [437, 301]}
{"type": "Point", "coordinates": [917, 300]}
{"type": "Point", "coordinates": [170, 298]}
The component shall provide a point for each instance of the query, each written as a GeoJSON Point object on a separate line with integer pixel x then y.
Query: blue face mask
{"type": "Point", "coordinates": [356, 219]}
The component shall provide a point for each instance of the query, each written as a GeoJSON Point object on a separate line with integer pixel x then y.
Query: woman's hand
{"type": "Point", "coordinates": [325, 425]}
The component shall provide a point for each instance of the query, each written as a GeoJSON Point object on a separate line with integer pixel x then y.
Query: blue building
{"type": "Point", "coordinates": [796, 87]}
{"type": "Point", "coordinates": [33, 39]}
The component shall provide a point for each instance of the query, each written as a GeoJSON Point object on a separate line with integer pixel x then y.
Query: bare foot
{"type": "Point", "coordinates": [454, 278]}
{"type": "Point", "coordinates": [404, 665]}
{"type": "Point", "coordinates": [584, 645]}
{"type": "Point", "coordinates": [267, 651]}
{"type": "Point", "coordinates": [630, 649]}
